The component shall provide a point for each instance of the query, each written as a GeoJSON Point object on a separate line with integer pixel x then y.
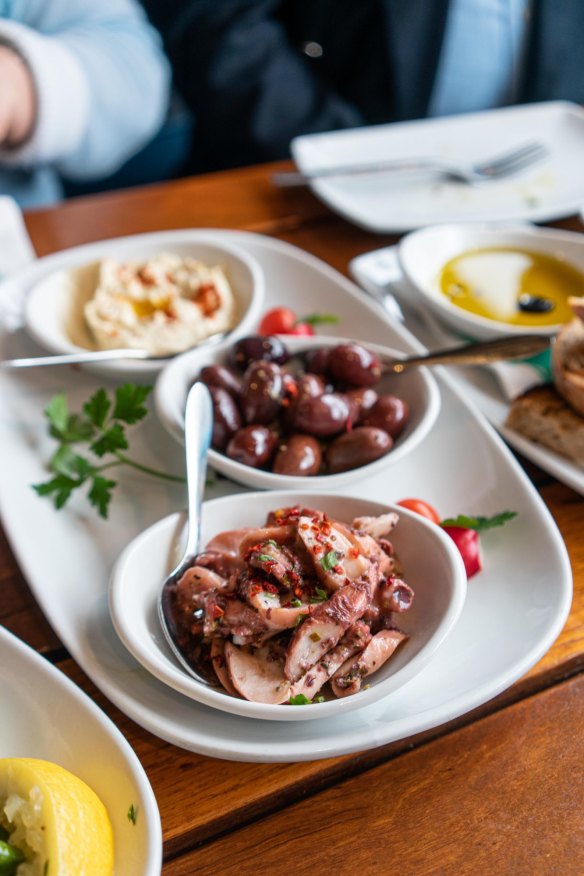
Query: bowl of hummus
{"type": "Point", "coordinates": [163, 297]}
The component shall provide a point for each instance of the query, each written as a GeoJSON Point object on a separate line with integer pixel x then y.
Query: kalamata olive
{"type": "Point", "coordinates": [356, 448]}
{"type": "Point", "coordinates": [217, 375]}
{"type": "Point", "coordinates": [353, 365]}
{"type": "Point", "coordinates": [388, 413]}
{"type": "Point", "coordinates": [315, 361]}
{"type": "Point", "coordinates": [305, 386]}
{"type": "Point", "coordinates": [299, 455]}
{"type": "Point", "coordinates": [262, 391]}
{"type": "Point", "coordinates": [323, 415]}
{"type": "Point", "coordinates": [226, 417]}
{"type": "Point", "coordinates": [364, 397]}
{"type": "Point", "coordinates": [247, 350]}
{"type": "Point", "coordinates": [252, 445]}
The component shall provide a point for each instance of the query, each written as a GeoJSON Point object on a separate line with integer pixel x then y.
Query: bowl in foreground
{"type": "Point", "coordinates": [432, 567]}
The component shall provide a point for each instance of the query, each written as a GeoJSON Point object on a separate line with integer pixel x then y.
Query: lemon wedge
{"type": "Point", "coordinates": [54, 820]}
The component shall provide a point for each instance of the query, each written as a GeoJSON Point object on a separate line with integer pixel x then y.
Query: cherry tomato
{"type": "Point", "coordinates": [278, 321]}
{"type": "Point", "coordinates": [301, 328]}
{"type": "Point", "coordinates": [467, 542]}
{"type": "Point", "coordinates": [422, 508]}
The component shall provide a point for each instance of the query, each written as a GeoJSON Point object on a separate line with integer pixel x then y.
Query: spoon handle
{"type": "Point", "coordinates": [480, 353]}
{"type": "Point", "coordinates": [198, 434]}
{"type": "Point", "coordinates": [75, 358]}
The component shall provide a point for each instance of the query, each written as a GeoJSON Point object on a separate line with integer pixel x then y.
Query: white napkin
{"type": "Point", "coordinates": [16, 251]}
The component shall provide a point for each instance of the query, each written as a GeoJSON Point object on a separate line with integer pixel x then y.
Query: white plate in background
{"type": "Point", "coordinates": [382, 203]}
{"type": "Point", "coordinates": [514, 610]}
{"type": "Point", "coordinates": [46, 716]}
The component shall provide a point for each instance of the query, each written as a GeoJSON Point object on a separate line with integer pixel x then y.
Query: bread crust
{"type": "Point", "coordinates": [568, 358]}
{"type": "Point", "coordinates": [543, 416]}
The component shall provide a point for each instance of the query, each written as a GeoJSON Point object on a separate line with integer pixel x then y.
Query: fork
{"type": "Point", "coordinates": [496, 167]}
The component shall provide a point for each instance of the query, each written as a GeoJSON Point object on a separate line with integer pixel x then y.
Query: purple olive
{"type": "Point", "coordinates": [226, 417]}
{"type": "Point", "coordinates": [262, 392]}
{"type": "Point", "coordinates": [306, 386]}
{"type": "Point", "coordinates": [388, 413]}
{"type": "Point", "coordinates": [253, 445]}
{"type": "Point", "coordinates": [323, 415]}
{"type": "Point", "coordinates": [356, 448]}
{"type": "Point", "coordinates": [254, 347]}
{"type": "Point", "coordinates": [299, 455]}
{"type": "Point", "coordinates": [217, 375]}
{"type": "Point", "coordinates": [315, 361]}
{"type": "Point", "coordinates": [353, 365]}
{"type": "Point", "coordinates": [364, 398]}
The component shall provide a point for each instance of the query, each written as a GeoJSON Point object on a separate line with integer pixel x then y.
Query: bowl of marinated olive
{"type": "Point", "coordinates": [303, 412]}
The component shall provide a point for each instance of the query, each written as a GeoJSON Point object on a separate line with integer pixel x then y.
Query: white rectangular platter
{"type": "Point", "coordinates": [514, 611]}
{"type": "Point", "coordinates": [383, 202]}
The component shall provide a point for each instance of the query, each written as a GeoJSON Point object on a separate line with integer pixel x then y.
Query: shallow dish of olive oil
{"type": "Point", "coordinates": [513, 285]}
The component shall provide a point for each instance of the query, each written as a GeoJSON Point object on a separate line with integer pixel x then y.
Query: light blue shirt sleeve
{"type": "Point", "coordinates": [127, 75]}
{"type": "Point", "coordinates": [481, 57]}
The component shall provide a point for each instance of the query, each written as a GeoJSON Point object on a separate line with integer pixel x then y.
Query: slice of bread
{"type": "Point", "coordinates": [568, 358]}
{"type": "Point", "coordinates": [543, 416]}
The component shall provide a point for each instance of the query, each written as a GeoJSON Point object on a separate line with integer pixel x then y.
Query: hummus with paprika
{"type": "Point", "coordinates": [164, 305]}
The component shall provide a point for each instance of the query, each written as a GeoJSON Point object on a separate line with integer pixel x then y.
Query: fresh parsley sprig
{"type": "Point", "coordinates": [479, 523]}
{"type": "Point", "coordinates": [102, 427]}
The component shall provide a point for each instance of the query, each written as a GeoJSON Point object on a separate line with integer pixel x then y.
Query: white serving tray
{"type": "Point", "coordinates": [514, 611]}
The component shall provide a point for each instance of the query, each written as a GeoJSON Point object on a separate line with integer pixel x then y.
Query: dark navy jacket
{"type": "Point", "coordinates": [259, 72]}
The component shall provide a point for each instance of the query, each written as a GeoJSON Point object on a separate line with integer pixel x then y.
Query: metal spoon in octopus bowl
{"type": "Point", "coordinates": [198, 434]}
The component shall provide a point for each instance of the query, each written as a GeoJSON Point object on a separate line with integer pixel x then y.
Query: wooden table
{"type": "Point", "coordinates": [499, 790]}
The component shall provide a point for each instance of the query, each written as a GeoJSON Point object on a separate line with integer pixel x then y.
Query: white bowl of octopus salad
{"type": "Point", "coordinates": [299, 605]}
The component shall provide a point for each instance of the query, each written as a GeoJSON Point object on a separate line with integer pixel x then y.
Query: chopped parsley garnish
{"type": "Point", "coordinates": [299, 700]}
{"type": "Point", "coordinates": [329, 561]}
{"type": "Point", "coordinates": [319, 595]}
{"type": "Point", "coordinates": [132, 813]}
{"type": "Point", "coordinates": [480, 524]}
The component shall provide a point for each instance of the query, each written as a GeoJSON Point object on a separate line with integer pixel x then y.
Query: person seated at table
{"type": "Point", "coordinates": [83, 85]}
{"type": "Point", "coordinates": [257, 73]}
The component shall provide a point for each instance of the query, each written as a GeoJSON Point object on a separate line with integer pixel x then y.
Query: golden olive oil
{"type": "Point", "coordinates": [509, 285]}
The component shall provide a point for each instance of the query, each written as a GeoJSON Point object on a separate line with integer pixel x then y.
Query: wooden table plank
{"type": "Point", "coordinates": [503, 795]}
{"type": "Point", "coordinates": [231, 199]}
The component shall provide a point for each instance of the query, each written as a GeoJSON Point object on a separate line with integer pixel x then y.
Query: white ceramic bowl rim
{"type": "Point", "coordinates": [141, 642]}
{"type": "Point", "coordinates": [172, 387]}
{"type": "Point", "coordinates": [40, 321]}
{"type": "Point", "coordinates": [413, 248]}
